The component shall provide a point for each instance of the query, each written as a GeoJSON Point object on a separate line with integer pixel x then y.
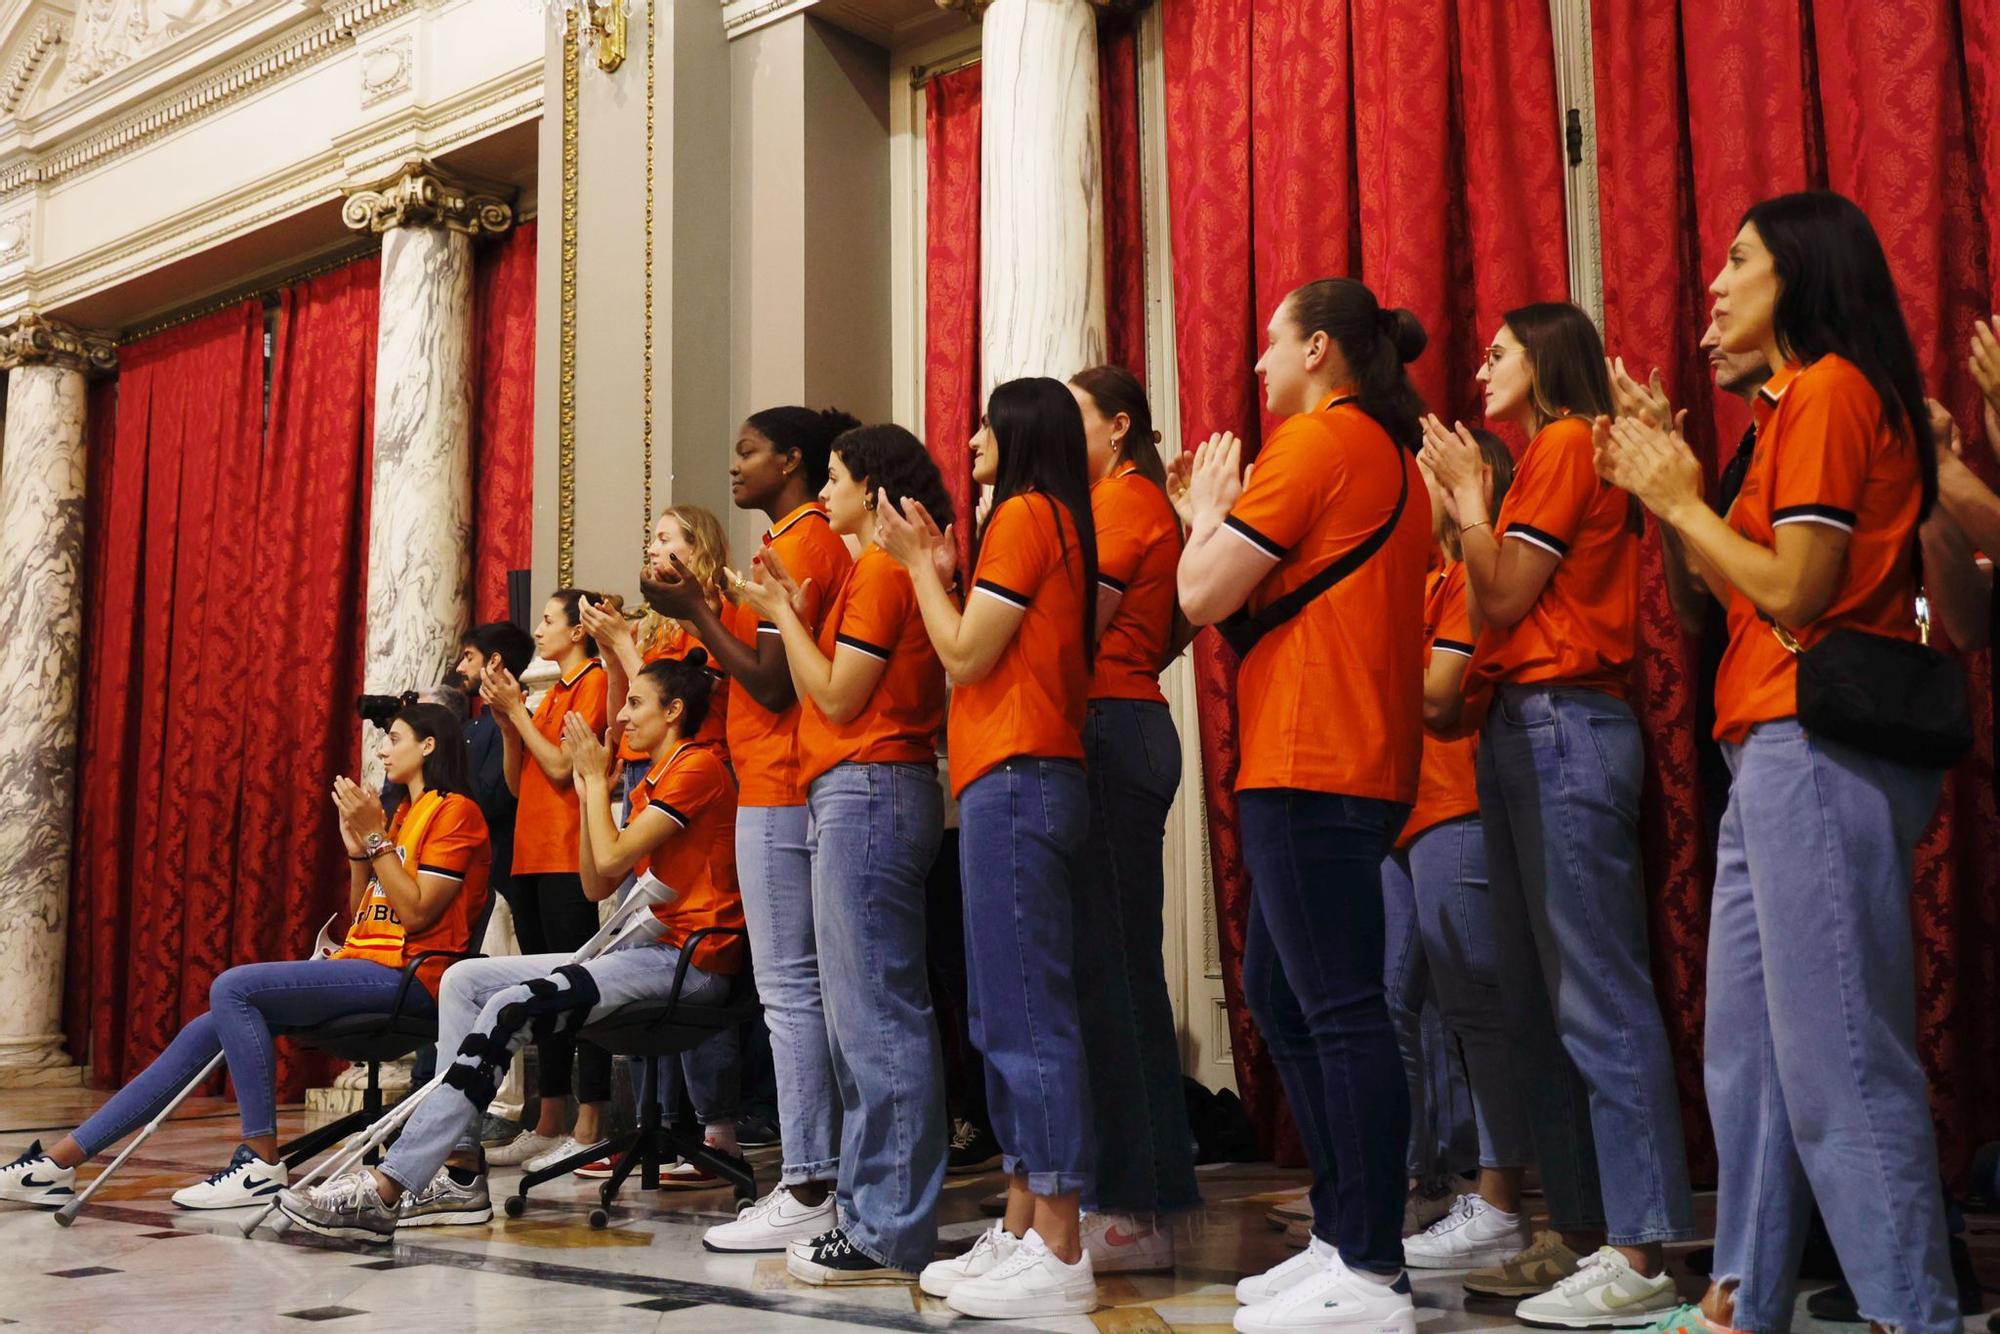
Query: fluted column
{"type": "Point", "coordinates": [420, 518]}
{"type": "Point", "coordinates": [1042, 201]}
{"type": "Point", "coordinates": [41, 632]}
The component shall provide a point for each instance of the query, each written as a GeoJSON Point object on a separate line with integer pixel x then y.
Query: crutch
{"type": "Point", "coordinates": [630, 919]}
{"type": "Point", "coordinates": [322, 948]}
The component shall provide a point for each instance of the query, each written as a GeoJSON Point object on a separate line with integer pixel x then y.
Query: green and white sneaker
{"type": "Point", "coordinates": [1604, 1293]}
{"type": "Point", "coordinates": [1545, 1263]}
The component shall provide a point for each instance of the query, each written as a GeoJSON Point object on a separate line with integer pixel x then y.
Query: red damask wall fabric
{"type": "Point", "coordinates": [951, 284]}
{"type": "Point", "coordinates": [1379, 139]}
{"type": "Point", "coordinates": [226, 577]}
{"type": "Point", "coordinates": [1124, 206]}
{"type": "Point", "coordinates": [503, 397]}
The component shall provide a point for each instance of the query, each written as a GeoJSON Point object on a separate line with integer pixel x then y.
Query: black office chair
{"type": "Point", "coordinates": [650, 1029]}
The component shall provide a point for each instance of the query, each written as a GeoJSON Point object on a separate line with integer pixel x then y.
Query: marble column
{"type": "Point", "coordinates": [1041, 195]}
{"type": "Point", "coordinates": [41, 632]}
{"type": "Point", "coordinates": [420, 518]}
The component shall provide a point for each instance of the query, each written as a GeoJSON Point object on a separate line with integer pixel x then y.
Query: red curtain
{"type": "Point", "coordinates": [1124, 204]}
{"type": "Point", "coordinates": [223, 640]}
{"type": "Point", "coordinates": [951, 285]}
{"type": "Point", "coordinates": [503, 396]}
{"type": "Point", "coordinates": [1373, 138]}
{"type": "Point", "coordinates": [1703, 110]}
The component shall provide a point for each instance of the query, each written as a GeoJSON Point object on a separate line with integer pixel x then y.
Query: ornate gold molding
{"type": "Point", "coordinates": [421, 195]}
{"type": "Point", "coordinates": [646, 419]}
{"type": "Point", "coordinates": [566, 313]}
{"type": "Point", "coordinates": [34, 341]}
{"type": "Point", "coordinates": [977, 8]}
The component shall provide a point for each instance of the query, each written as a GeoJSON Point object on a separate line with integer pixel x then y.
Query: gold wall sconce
{"type": "Point", "coordinates": [600, 27]}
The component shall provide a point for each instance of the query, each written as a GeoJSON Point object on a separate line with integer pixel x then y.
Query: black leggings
{"type": "Point", "coordinates": [551, 916]}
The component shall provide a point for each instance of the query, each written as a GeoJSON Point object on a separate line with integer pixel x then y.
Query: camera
{"type": "Point", "coordinates": [381, 710]}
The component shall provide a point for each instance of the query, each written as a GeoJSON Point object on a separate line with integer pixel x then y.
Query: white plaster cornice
{"type": "Point", "coordinates": [45, 34]}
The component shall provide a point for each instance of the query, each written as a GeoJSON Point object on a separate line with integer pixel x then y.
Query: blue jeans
{"type": "Point", "coordinates": [1559, 779]}
{"type": "Point", "coordinates": [1021, 826]}
{"type": "Point", "coordinates": [1442, 1139]}
{"type": "Point", "coordinates": [1454, 922]}
{"type": "Point", "coordinates": [471, 998]}
{"type": "Point", "coordinates": [1312, 977]}
{"type": "Point", "coordinates": [1813, 1080]}
{"type": "Point", "coordinates": [774, 867]}
{"type": "Point", "coordinates": [246, 1004]}
{"type": "Point", "coordinates": [1145, 1153]}
{"type": "Point", "coordinates": [875, 832]}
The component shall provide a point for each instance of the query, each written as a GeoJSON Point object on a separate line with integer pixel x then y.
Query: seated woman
{"type": "Point", "coordinates": [416, 883]}
{"type": "Point", "coordinates": [684, 826]}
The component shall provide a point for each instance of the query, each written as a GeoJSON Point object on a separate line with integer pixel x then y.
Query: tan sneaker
{"type": "Point", "coordinates": [1294, 1209]}
{"type": "Point", "coordinates": [1545, 1263]}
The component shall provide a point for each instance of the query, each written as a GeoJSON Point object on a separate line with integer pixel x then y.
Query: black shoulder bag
{"type": "Point", "coordinates": [1242, 630]}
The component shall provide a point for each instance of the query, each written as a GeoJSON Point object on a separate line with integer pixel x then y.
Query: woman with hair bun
{"type": "Point", "coordinates": [1331, 732]}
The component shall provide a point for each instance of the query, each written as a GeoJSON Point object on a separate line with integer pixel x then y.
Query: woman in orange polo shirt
{"type": "Point", "coordinates": [1330, 726]}
{"type": "Point", "coordinates": [871, 695]}
{"type": "Point", "coordinates": [1554, 581]}
{"type": "Point", "coordinates": [1132, 757]}
{"type": "Point", "coordinates": [553, 915]}
{"type": "Point", "coordinates": [1019, 655]}
{"type": "Point", "coordinates": [1814, 1085]}
{"type": "Point", "coordinates": [778, 466]}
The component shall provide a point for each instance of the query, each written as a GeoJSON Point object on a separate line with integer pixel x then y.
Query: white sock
{"type": "Point", "coordinates": [1384, 1279]}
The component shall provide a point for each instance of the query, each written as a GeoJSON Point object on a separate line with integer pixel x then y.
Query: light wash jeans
{"type": "Point", "coordinates": [1559, 780]}
{"type": "Point", "coordinates": [774, 867]}
{"type": "Point", "coordinates": [1021, 826]}
{"type": "Point", "coordinates": [247, 1004]}
{"type": "Point", "coordinates": [469, 1002]}
{"type": "Point", "coordinates": [1443, 1137]}
{"type": "Point", "coordinates": [1813, 1080]}
{"type": "Point", "coordinates": [875, 832]}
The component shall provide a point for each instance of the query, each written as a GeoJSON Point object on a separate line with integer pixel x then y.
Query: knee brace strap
{"type": "Point", "coordinates": [555, 1005]}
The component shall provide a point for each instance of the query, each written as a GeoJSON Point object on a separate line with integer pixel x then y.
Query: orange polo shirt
{"type": "Point", "coordinates": [1582, 630]}
{"type": "Point", "coordinates": [1333, 699]}
{"type": "Point", "coordinates": [545, 821]}
{"type": "Point", "coordinates": [876, 613]}
{"type": "Point", "coordinates": [764, 746]}
{"type": "Point", "coordinates": [692, 787]}
{"type": "Point", "coordinates": [1033, 701]}
{"type": "Point", "coordinates": [674, 640]}
{"type": "Point", "coordinates": [439, 834]}
{"type": "Point", "coordinates": [1823, 455]}
{"type": "Point", "coordinates": [1447, 784]}
{"type": "Point", "coordinates": [1138, 550]}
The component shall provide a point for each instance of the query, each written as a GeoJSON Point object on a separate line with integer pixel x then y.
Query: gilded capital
{"type": "Point", "coordinates": [34, 341]}
{"type": "Point", "coordinates": [977, 8]}
{"type": "Point", "coordinates": [422, 195]}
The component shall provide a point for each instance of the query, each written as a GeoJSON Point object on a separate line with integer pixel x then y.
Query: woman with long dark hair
{"type": "Point", "coordinates": [1019, 655]}
{"type": "Point", "coordinates": [416, 882]}
{"type": "Point", "coordinates": [1132, 759]}
{"type": "Point", "coordinates": [1330, 703]}
{"type": "Point", "coordinates": [1814, 1085]}
{"type": "Point", "coordinates": [1554, 584]}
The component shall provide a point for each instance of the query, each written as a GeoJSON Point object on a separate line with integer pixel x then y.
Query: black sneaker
{"type": "Point", "coordinates": [832, 1259]}
{"type": "Point", "coordinates": [755, 1131]}
{"type": "Point", "coordinates": [973, 1149]}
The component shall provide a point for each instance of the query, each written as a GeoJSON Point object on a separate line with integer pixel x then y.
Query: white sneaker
{"type": "Point", "coordinates": [521, 1148]}
{"type": "Point", "coordinates": [772, 1224]}
{"type": "Point", "coordinates": [34, 1178]}
{"type": "Point", "coordinates": [993, 1249]}
{"type": "Point", "coordinates": [1121, 1244]}
{"type": "Point", "coordinates": [1031, 1284]}
{"type": "Point", "coordinates": [1604, 1291]}
{"type": "Point", "coordinates": [1474, 1233]}
{"type": "Point", "coordinates": [566, 1147]}
{"type": "Point", "coordinates": [1270, 1284]}
{"type": "Point", "coordinates": [247, 1180]}
{"type": "Point", "coordinates": [1335, 1299]}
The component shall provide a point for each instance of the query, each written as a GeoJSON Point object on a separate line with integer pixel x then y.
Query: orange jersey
{"type": "Point", "coordinates": [545, 822]}
{"type": "Point", "coordinates": [1333, 699]}
{"type": "Point", "coordinates": [692, 787]}
{"type": "Point", "coordinates": [876, 613]}
{"type": "Point", "coordinates": [1447, 785]}
{"type": "Point", "coordinates": [764, 746]}
{"type": "Point", "coordinates": [1823, 455]}
{"type": "Point", "coordinates": [675, 641]}
{"type": "Point", "coordinates": [1138, 548]}
{"type": "Point", "coordinates": [1033, 701]}
{"type": "Point", "coordinates": [1583, 628]}
{"type": "Point", "coordinates": [440, 834]}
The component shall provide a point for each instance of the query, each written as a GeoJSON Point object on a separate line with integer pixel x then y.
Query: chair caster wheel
{"type": "Point", "coordinates": [515, 1206]}
{"type": "Point", "coordinates": [745, 1197]}
{"type": "Point", "coordinates": [600, 1218]}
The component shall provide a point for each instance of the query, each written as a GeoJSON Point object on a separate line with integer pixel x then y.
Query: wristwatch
{"type": "Point", "coordinates": [375, 845]}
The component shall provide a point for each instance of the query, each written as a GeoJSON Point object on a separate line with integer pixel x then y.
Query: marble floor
{"type": "Point", "coordinates": [135, 1262]}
